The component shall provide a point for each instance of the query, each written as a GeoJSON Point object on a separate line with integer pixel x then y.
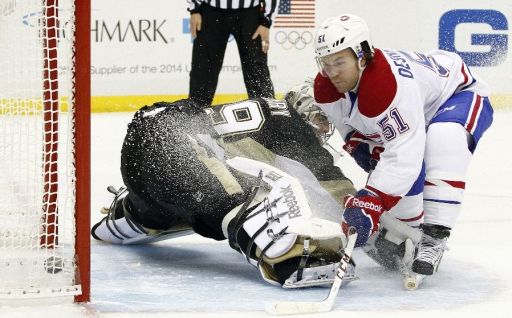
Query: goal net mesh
{"type": "Point", "coordinates": [37, 183]}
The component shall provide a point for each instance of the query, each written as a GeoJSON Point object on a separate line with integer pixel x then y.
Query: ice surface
{"type": "Point", "coordinates": [196, 277]}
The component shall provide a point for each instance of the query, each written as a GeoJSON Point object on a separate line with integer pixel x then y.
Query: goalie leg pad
{"type": "Point", "coordinates": [279, 233]}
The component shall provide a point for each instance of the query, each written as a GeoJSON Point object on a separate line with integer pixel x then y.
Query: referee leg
{"type": "Point", "coordinates": [254, 61]}
{"type": "Point", "coordinates": [207, 55]}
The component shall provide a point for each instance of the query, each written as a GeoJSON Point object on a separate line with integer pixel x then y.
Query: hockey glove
{"type": "Point", "coordinates": [365, 152]}
{"type": "Point", "coordinates": [363, 213]}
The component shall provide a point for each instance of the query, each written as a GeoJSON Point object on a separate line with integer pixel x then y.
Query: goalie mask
{"type": "Point", "coordinates": [301, 98]}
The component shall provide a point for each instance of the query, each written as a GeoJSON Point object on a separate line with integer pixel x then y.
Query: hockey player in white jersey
{"type": "Point", "coordinates": [427, 111]}
{"type": "Point", "coordinates": [393, 245]}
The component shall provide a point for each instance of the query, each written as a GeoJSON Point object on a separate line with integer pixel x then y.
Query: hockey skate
{"type": "Point", "coordinates": [429, 253]}
{"type": "Point", "coordinates": [115, 227]}
{"type": "Point", "coordinates": [320, 276]}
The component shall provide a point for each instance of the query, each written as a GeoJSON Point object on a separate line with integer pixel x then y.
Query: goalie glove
{"type": "Point", "coordinates": [365, 152]}
{"type": "Point", "coordinates": [362, 212]}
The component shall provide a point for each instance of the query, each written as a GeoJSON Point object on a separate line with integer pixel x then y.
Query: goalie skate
{"type": "Point", "coordinates": [156, 236]}
{"type": "Point", "coordinates": [293, 307]}
{"type": "Point", "coordinates": [320, 276]}
{"type": "Point", "coordinates": [118, 229]}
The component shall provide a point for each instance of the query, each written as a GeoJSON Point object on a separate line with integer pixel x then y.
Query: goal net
{"type": "Point", "coordinates": [42, 158]}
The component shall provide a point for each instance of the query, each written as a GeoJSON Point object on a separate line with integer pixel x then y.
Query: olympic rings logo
{"type": "Point", "coordinates": [294, 39]}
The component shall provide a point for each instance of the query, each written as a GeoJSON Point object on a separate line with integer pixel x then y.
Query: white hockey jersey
{"type": "Point", "coordinates": [399, 93]}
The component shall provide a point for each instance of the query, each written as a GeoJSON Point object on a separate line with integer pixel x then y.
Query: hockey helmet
{"type": "Point", "coordinates": [345, 31]}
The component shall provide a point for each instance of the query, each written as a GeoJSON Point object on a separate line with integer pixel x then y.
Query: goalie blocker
{"type": "Point", "coordinates": [226, 177]}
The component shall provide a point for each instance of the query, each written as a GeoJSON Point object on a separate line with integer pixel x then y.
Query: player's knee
{"type": "Point", "coordinates": [446, 151]}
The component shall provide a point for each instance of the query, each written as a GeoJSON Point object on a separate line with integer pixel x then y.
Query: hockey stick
{"type": "Point", "coordinates": [411, 280]}
{"type": "Point", "coordinates": [297, 307]}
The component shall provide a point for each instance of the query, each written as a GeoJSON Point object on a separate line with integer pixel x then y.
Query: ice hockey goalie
{"type": "Point", "coordinates": [252, 172]}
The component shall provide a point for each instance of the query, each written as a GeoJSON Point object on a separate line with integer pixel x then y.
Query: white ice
{"type": "Point", "coordinates": [196, 277]}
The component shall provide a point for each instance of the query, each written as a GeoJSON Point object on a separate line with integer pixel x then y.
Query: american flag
{"type": "Point", "coordinates": [295, 14]}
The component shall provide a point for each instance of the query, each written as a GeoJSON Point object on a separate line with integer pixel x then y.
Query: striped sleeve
{"type": "Point", "coordinates": [193, 6]}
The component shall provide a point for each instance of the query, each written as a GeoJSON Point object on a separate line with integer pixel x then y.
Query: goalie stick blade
{"type": "Point", "coordinates": [294, 307]}
{"type": "Point", "coordinates": [297, 307]}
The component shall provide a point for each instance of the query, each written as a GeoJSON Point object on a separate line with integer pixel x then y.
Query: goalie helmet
{"type": "Point", "coordinates": [301, 98]}
{"type": "Point", "coordinates": [345, 31]}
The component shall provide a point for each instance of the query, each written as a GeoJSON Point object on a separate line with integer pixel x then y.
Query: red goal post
{"type": "Point", "coordinates": [45, 149]}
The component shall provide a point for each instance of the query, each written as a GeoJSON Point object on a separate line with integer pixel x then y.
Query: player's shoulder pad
{"type": "Point", "coordinates": [324, 90]}
{"type": "Point", "coordinates": [378, 87]}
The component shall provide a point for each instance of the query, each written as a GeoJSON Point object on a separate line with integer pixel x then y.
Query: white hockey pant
{"type": "Point", "coordinates": [409, 210]}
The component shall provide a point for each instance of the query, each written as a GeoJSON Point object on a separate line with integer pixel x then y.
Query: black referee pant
{"type": "Point", "coordinates": [209, 48]}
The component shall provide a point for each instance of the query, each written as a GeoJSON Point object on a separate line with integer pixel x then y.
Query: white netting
{"type": "Point", "coordinates": [36, 149]}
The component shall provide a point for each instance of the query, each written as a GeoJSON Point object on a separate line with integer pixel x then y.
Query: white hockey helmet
{"type": "Point", "coordinates": [301, 98]}
{"type": "Point", "coordinates": [345, 31]}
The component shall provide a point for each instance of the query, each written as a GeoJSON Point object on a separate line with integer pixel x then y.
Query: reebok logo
{"type": "Point", "coordinates": [367, 205]}
{"type": "Point", "coordinates": [446, 109]}
{"type": "Point", "coordinates": [291, 202]}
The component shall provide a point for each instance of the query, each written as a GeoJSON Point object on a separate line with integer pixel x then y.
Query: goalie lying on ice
{"type": "Point", "coordinates": [252, 172]}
